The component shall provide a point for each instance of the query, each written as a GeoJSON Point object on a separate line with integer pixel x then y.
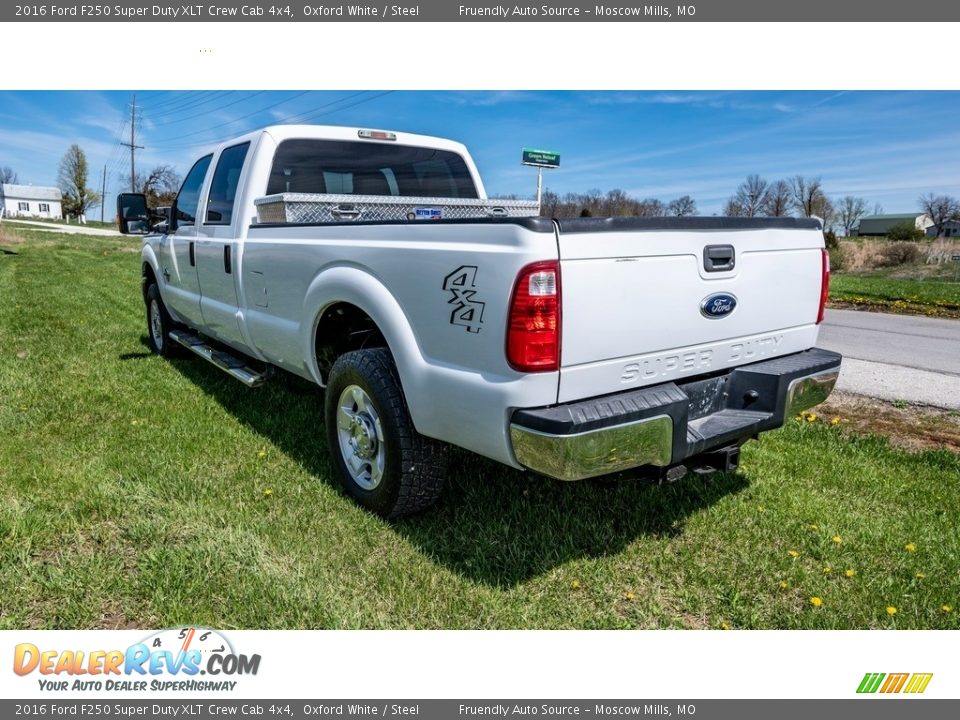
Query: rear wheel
{"type": "Point", "coordinates": [159, 323]}
{"type": "Point", "coordinates": [381, 460]}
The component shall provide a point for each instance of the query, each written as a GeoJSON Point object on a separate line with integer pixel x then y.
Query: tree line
{"type": "Point", "coordinates": [798, 196]}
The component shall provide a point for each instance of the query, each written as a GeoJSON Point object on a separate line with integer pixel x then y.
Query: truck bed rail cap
{"type": "Point", "coordinates": [589, 225]}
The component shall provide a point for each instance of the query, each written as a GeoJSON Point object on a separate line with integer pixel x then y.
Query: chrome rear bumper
{"type": "Point", "coordinates": [667, 424]}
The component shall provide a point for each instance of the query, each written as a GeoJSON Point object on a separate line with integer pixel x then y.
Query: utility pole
{"type": "Point", "coordinates": [133, 143]}
{"type": "Point", "coordinates": [103, 191]}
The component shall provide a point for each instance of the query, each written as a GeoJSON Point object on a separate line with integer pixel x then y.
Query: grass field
{"type": "Point", "coordinates": [139, 492]}
{"type": "Point", "coordinates": [879, 291]}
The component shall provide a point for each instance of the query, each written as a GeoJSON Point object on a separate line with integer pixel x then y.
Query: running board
{"type": "Point", "coordinates": [230, 364]}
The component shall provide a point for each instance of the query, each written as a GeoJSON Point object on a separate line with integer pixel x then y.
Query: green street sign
{"type": "Point", "coordinates": [541, 158]}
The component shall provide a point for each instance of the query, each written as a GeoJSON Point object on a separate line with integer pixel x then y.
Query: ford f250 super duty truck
{"type": "Point", "coordinates": [372, 264]}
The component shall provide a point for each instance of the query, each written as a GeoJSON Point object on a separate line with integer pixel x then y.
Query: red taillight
{"type": "Point", "coordinates": [533, 330]}
{"type": "Point", "coordinates": [824, 284]}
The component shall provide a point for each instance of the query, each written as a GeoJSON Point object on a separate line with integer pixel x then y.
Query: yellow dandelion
{"type": "Point", "coordinates": [267, 492]}
{"type": "Point", "coordinates": [799, 418]}
{"type": "Point", "coordinates": [827, 570]}
{"type": "Point", "coordinates": [947, 608]}
{"type": "Point", "coordinates": [816, 602]}
{"type": "Point", "coordinates": [630, 596]}
{"type": "Point", "coordinates": [837, 539]}
{"type": "Point", "coordinates": [575, 585]}
{"type": "Point", "coordinates": [784, 585]}
{"type": "Point", "coordinates": [849, 572]}
{"type": "Point", "coordinates": [812, 417]}
{"type": "Point", "coordinates": [724, 626]}
{"type": "Point", "coordinates": [910, 547]}
{"type": "Point", "coordinates": [835, 421]}
{"type": "Point", "coordinates": [761, 508]}
{"type": "Point", "coordinates": [813, 526]}
{"type": "Point", "coordinates": [920, 575]}
{"type": "Point", "coordinates": [793, 553]}
{"type": "Point", "coordinates": [262, 454]}
{"type": "Point", "coordinates": [891, 610]}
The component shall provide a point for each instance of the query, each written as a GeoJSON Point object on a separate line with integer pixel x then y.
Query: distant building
{"type": "Point", "coordinates": [878, 225]}
{"type": "Point", "coordinates": [951, 228]}
{"type": "Point", "coordinates": [30, 201]}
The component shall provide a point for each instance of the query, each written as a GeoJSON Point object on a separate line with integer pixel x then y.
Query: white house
{"type": "Point", "coordinates": [30, 201]}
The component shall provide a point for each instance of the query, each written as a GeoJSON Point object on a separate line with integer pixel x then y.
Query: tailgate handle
{"type": "Point", "coordinates": [717, 258]}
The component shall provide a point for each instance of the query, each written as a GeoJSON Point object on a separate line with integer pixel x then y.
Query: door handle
{"type": "Point", "coordinates": [227, 265]}
{"type": "Point", "coordinates": [193, 255]}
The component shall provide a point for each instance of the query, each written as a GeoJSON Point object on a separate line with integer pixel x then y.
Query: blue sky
{"type": "Point", "coordinates": [888, 147]}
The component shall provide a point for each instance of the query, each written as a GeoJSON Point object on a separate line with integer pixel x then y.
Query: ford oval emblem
{"type": "Point", "coordinates": [718, 305]}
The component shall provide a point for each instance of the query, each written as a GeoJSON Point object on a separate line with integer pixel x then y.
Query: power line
{"type": "Point", "coordinates": [229, 122]}
{"type": "Point", "coordinates": [308, 114]}
{"type": "Point", "coordinates": [188, 102]}
{"type": "Point", "coordinates": [210, 110]}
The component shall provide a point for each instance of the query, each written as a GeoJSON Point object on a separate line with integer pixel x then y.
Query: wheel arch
{"type": "Point", "coordinates": [347, 299]}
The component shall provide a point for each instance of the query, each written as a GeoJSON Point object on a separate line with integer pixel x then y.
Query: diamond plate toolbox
{"type": "Point", "coordinates": [328, 208]}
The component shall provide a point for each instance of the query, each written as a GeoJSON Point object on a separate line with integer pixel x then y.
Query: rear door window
{"type": "Point", "coordinates": [226, 181]}
{"type": "Point", "coordinates": [365, 168]}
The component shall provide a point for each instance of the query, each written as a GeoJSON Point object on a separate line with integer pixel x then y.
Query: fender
{"type": "Point", "coordinates": [149, 256]}
{"type": "Point", "coordinates": [355, 285]}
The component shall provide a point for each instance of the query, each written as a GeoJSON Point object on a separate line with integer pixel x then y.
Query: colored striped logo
{"type": "Point", "coordinates": [894, 683]}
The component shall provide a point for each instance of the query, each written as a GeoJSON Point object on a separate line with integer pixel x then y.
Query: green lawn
{"type": "Point", "coordinates": [141, 492]}
{"type": "Point", "coordinates": [877, 291]}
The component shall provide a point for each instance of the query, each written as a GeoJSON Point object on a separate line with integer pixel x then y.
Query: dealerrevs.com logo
{"type": "Point", "coordinates": [174, 659]}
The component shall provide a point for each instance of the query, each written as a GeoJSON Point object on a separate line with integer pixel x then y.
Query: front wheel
{"type": "Point", "coordinates": [381, 460]}
{"type": "Point", "coordinates": [159, 323]}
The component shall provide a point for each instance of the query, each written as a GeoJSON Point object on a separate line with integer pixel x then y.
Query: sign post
{"type": "Point", "coordinates": [540, 159]}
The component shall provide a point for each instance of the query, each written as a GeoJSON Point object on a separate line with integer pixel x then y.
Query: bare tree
{"type": "Point", "coordinates": [7, 176]}
{"type": "Point", "coordinates": [849, 212]}
{"type": "Point", "coordinates": [682, 207]}
{"type": "Point", "coordinates": [778, 199]}
{"type": "Point", "coordinates": [940, 209]}
{"type": "Point", "coordinates": [72, 179]}
{"type": "Point", "coordinates": [877, 209]}
{"type": "Point", "coordinates": [650, 207]}
{"type": "Point", "coordinates": [734, 209]}
{"type": "Point", "coordinates": [750, 198]}
{"type": "Point", "coordinates": [160, 185]}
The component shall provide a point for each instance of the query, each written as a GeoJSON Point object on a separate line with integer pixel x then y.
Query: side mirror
{"type": "Point", "coordinates": [133, 216]}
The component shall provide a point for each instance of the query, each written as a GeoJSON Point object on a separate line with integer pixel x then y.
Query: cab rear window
{"type": "Point", "coordinates": [365, 168]}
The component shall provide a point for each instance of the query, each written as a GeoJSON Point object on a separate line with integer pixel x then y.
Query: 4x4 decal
{"type": "Point", "coordinates": [467, 311]}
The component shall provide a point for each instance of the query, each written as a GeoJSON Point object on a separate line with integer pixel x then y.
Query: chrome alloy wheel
{"type": "Point", "coordinates": [156, 324]}
{"type": "Point", "coordinates": [361, 437]}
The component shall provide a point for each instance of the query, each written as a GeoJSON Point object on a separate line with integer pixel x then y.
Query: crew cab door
{"type": "Point", "coordinates": [218, 247]}
{"type": "Point", "coordinates": [178, 249]}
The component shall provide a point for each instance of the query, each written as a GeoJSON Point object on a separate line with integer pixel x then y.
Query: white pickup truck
{"type": "Point", "coordinates": [372, 264]}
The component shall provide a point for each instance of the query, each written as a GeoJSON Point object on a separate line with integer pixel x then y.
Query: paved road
{"type": "Point", "coordinates": [73, 229]}
{"type": "Point", "coordinates": [896, 357]}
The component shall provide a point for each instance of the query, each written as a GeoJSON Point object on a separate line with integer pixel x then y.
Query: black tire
{"type": "Point", "coordinates": [159, 335]}
{"type": "Point", "coordinates": [410, 468]}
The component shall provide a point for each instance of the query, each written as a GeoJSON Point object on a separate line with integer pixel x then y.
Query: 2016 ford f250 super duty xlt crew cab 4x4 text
{"type": "Point", "coordinates": [372, 264]}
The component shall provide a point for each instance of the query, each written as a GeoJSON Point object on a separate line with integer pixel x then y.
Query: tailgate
{"type": "Point", "coordinates": [649, 300]}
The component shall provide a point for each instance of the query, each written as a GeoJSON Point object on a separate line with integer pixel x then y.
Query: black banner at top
{"type": "Point", "coordinates": [447, 11]}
